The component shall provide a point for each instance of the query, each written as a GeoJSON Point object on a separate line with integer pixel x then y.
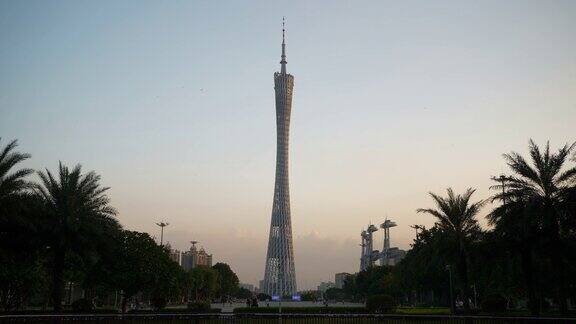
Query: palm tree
{"type": "Point", "coordinates": [12, 183]}
{"type": "Point", "coordinates": [16, 275]}
{"type": "Point", "coordinates": [517, 227]}
{"type": "Point", "coordinates": [456, 216]}
{"type": "Point", "coordinates": [539, 197]}
{"type": "Point", "coordinates": [78, 216]}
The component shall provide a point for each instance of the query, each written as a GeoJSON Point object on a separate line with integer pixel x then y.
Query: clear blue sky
{"type": "Point", "coordinates": [172, 103]}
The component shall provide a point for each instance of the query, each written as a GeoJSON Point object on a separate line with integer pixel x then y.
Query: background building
{"type": "Point", "coordinates": [195, 257]}
{"type": "Point", "coordinates": [325, 286]}
{"type": "Point", "coordinates": [250, 287]}
{"type": "Point", "coordinates": [261, 286]}
{"type": "Point", "coordinates": [175, 255]}
{"type": "Point", "coordinates": [339, 279]}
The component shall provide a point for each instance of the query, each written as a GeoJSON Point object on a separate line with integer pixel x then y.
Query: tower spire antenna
{"type": "Point", "coordinates": [283, 61]}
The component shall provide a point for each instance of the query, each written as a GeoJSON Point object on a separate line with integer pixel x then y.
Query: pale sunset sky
{"type": "Point", "coordinates": [172, 102]}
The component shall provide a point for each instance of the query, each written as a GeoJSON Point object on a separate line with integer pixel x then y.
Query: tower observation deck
{"type": "Point", "coordinates": [280, 275]}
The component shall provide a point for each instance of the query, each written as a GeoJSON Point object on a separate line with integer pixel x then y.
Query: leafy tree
{"type": "Point", "coordinates": [350, 288]}
{"type": "Point", "coordinates": [538, 200]}
{"type": "Point", "coordinates": [13, 183]}
{"type": "Point", "coordinates": [516, 225]}
{"type": "Point", "coordinates": [78, 218]}
{"type": "Point", "coordinates": [456, 216]}
{"type": "Point", "coordinates": [503, 276]}
{"type": "Point", "coordinates": [311, 295]}
{"type": "Point", "coordinates": [227, 280]}
{"type": "Point", "coordinates": [243, 293]}
{"type": "Point", "coordinates": [421, 275]}
{"type": "Point", "coordinates": [263, 297]}
{"type": "Point", "coordinates": [202, 283]}
{"type": "Point", "coordinates": [372, 281]}
{"type": "Point", "coordinates": [22, 272]}
{"type": "Point", "coordinates": [335, 294]}
{"type": "Point", "coordinates": [143, 266]}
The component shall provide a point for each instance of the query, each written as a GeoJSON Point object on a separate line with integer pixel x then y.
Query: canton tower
{"type": "Point", "coordinates": [279, 275]}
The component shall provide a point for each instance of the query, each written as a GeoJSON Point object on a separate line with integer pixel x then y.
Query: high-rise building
{"type": "Point", "coordinates": [279, 274]}
{"type": "Point", "coordinates": [247, 286]}
{"type": "Point", "coordinates": [325, 286]}
{"type": "Point", "coordinates": [261, 286]}
{"type": "Point", "coordinates": [175, 255]}
{"type": "Point", "coordinates": [195, 257]}
{"type": "Point", "coordinates": [340, 278]}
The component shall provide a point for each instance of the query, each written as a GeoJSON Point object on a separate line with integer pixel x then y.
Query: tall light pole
{"type": "Point", "coordinates": [162, 225]}
{"type": "Point", "coordinates": [449, 268]}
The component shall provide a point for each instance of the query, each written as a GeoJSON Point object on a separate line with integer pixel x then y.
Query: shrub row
{"type": "Point", "coordinates": [175, 311]}
{"type": "Point", "coordinates": [65, 311]}
{"type": "Point", "coordinates": [301, 310]}
{"type": "Point", "coordinates": [381, 304]}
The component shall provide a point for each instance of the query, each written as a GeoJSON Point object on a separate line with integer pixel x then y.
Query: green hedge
{"type": "Point", "coordinates": [381, 304]}
{"type": "Point", "coordinates": [174, 311]}
{"type": "Point", "coordinates": [423, 310]}
{"type": "Point", "coordinates": [301, 310]}
{"type": "Point", "coordinates": [65, 311]}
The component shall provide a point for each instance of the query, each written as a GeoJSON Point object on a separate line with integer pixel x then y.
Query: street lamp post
{"type": "Point", "coordinates": [449, 268]}
{"type": "Point", "coordinates": [162, 225]}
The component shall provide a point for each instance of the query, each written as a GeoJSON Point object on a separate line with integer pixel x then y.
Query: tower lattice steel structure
{"type": "Point", "coordinates": [280, 275]}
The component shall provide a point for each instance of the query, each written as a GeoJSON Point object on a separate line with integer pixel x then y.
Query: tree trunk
{"type": "Point", "coordinates": [58, 279]}
{"type": "Point", "coordinates": [528, 271]}
{"type": "Point", "coordinates": [558, 263]}
{"type": "Point", "coordinates": [560, 272]}
{"type": "Point", "coordinates": [463, 274]}
{"type": "Point", "coordinates": [124, 303]}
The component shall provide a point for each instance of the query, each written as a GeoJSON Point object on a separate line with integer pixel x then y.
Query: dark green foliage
{"type": "Point", "coordinates": [538, 212]}
{"type": "Point", "coordinates": [82, 305]}
{"type": "Point", "coordinates": [383, 304]}
{"type": "Point", "coordinates": [158, 302]}
{"type": "Point", "coordinates": [202, 283]}
{"type": "Point", "coordinates": [372, 281]}
{"type": "Point", "coordinates": [456, 217]}
{"type": "Point", "coordinates": [12, 182]}
{"type": "Point", "coordinates": [143, 266]}
{"type": "Point", "coordinates": [263, 297]}
{"type": "Point", "coordinates": [302, 310]}
{"type": "Point", "coordinates": [243, 293]}
{"type": "Point", "coordinates": [174, 311]}
{"type": "Point", "coordinates": [495, 303]}
{"type": "Point", "coordinates": [64, 230]}
{"type": "Point", "coordinates": [311, 295]}
{"type": "Point", "coordinates": [423, 269]}
{"type": "Point", "coordinates": [198, 306]}
{"type": "Point", "coordinates": [22, 270]}
{"type": "Point", "coordinates": [335, 294]}
{"type": "Point", "coordinates": [227, 280]}
{"type": "Point", "coordinates": [65, 311]}
{"type": "Point", "coordinates": [77, 218]}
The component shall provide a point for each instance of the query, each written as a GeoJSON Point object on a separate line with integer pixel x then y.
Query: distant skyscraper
{"type": "Point", "coordinates": [340, 278]}
{"type": "Point", "coordinates": [194, 257]}
{"type": "Point", "coordinates": [280, 275]}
